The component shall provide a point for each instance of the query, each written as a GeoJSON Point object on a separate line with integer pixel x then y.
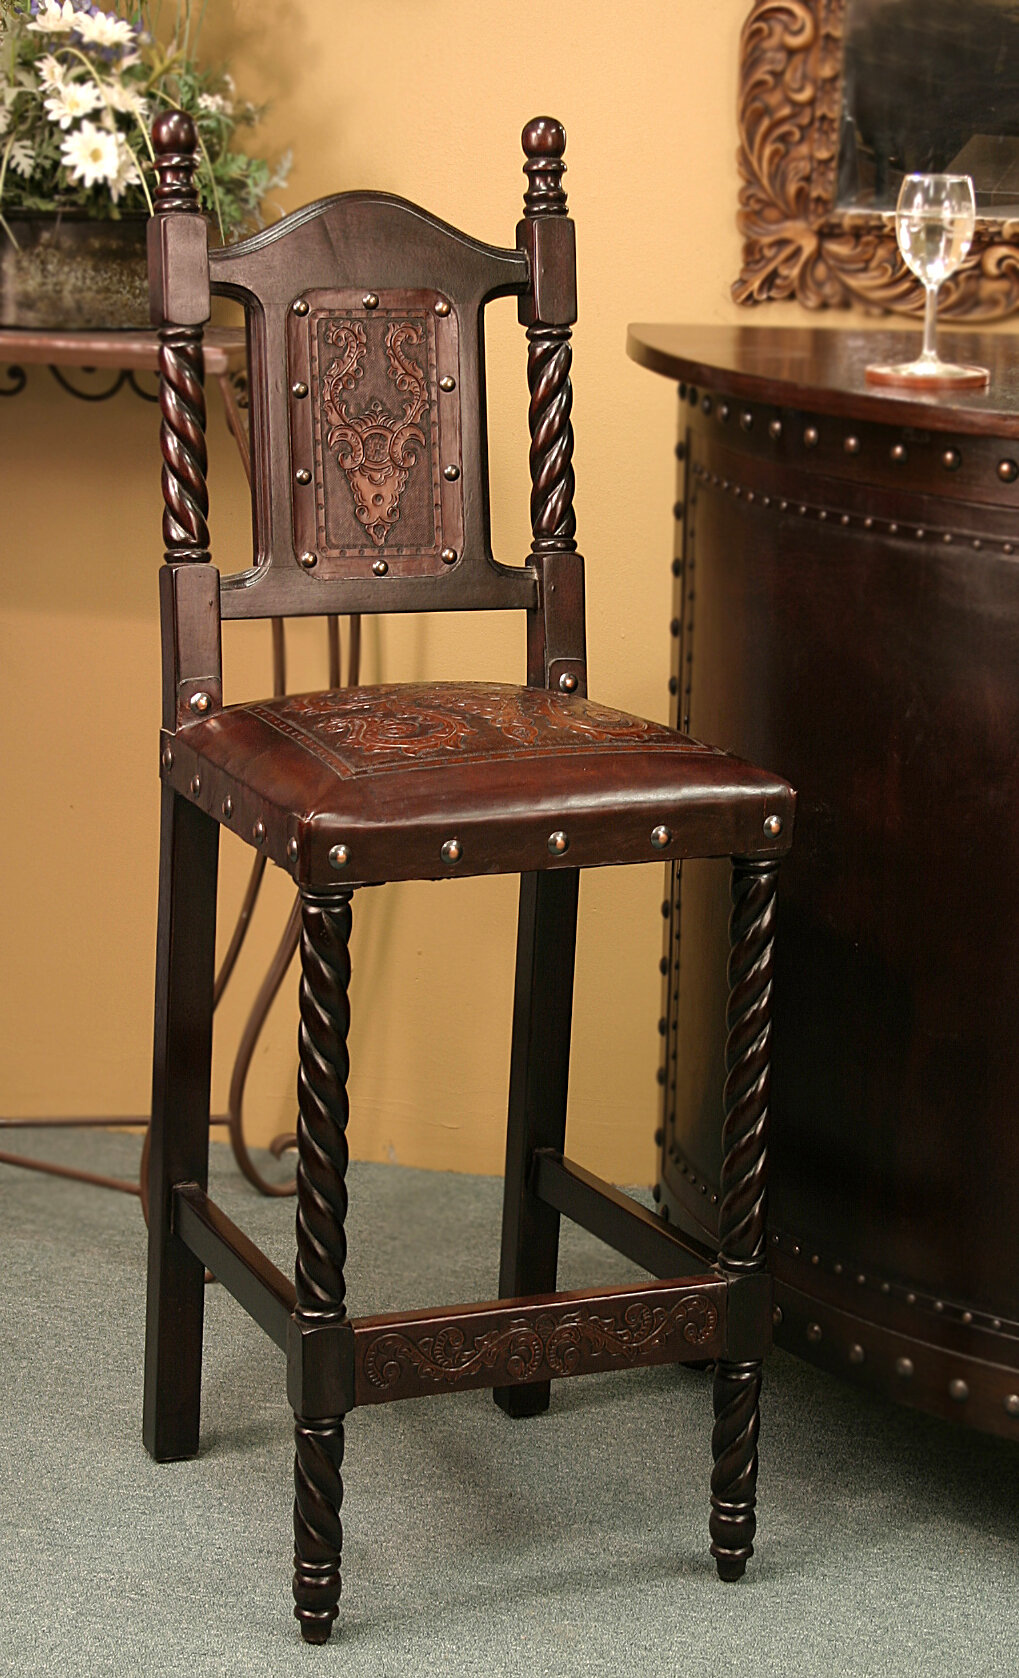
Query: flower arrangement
{"type": "Point", "coordinates": [79, 88]}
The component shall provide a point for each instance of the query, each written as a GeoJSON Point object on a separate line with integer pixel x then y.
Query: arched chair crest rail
{"type": "Point", "coordinates": [370, 495]}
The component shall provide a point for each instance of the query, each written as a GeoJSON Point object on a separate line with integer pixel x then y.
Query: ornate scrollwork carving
{"type": "Point", "coordinates": [795, 243]}
{"type": "Point", "coordinates": [375, 448]}
{"type": "Point", "coordinates": [555, 1343]}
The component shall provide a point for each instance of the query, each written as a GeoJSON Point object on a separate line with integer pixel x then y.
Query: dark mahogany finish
{"type": "Point", "coordinates": [370, 494]}
{"type": "Point", "coordinates": [847, 608]}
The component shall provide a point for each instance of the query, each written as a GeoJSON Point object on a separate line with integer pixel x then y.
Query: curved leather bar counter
{"type": "Point", "coordinates": [847, 613]}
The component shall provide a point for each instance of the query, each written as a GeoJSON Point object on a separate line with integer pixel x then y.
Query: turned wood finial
{"type": "Point", "coordinates": [175, 142]}
{"type": "Point", "coordinates": [544, 142]}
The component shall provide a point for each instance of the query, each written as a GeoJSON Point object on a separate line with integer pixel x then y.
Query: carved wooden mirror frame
{"type": "Point", "coordinates": [796, 243]}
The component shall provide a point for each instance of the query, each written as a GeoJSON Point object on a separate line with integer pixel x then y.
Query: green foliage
{"type": "Point", "coordinates": [79, 88]}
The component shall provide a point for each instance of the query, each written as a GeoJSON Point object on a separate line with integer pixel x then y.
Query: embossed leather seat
{"type": "Point", "coordinates": [370, 494]}
{"type": "Point", "coordinates": [413, 783]}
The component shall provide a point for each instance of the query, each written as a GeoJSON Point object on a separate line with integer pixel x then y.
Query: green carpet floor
{"type": "Point", "coordinates": [573, 1544]}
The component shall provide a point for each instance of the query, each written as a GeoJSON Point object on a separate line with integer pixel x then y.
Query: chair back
{"type": "Point", "coordinates": [367, 402]}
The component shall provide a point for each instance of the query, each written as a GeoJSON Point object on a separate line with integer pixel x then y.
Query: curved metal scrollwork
{"type": "Point", "coordinates": [18, 380]}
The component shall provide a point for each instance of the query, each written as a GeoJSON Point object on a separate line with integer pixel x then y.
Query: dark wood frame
{"type": "Point", "coordinates": [532, 1334]}
{"type": "Point", "coordinates": [796, 244]}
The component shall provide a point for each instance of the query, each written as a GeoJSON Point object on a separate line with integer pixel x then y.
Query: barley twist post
{"type": "Point", "coordinates": [323, 1110]}
{"type": "Point", "coordinates": [737, 1386]}
{"type": "Point", "coordinates": [181, 362]}
{"type": "Point", "coordinates": [549, 357]}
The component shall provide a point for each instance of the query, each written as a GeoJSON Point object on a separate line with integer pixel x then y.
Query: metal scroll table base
{"type": "Point", "coordinates": [124, 355]}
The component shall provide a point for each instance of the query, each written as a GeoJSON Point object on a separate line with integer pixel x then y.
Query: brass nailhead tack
{"type": "Point", "coordinates": [199, 702]}
{"type": "Point", "coordinates": [558, 843]}
{"type": "Point", "coordinates": [660, 837]}
{"type": "Point", "coordinates": [899, 453]}
{"type": "Point", "coordinates": [258, 832]}
{"type": "Point", "coordinates": [309, 561]}
{"type": "Point", "coordinates": [567, 682]}
{"type": "Point", "coordinates": [292, 849]}
{"type": "Point", "coordinates": [813, 1333]}
{"type": "Point", "coordinates": [776, 1316]}
{"type": "Point", "coordinates": [451, 851]}
{"type": "Point", "coordinates": [746, 420]}
{"type": "Point", "coordinates": [959, 1390]}
{"type": "Point", "coordinates": [370, 300]}
{"type": "Point", "coordinates": [227, 807]}
{"type": "Point", "coordinates": [299, 388]}
{"type": "Point", "coordinates": [442, 307]}
{"type": "Point", "coordinates": [339, 856]}
{"type": "Point", "coordinates": [773, 825]}
{"type": "Point", "coordinates": [1008, 471]}
{"type": "Point", "coordinates": [449, 556]}
{"type": "Point", "coordinates": [951, 460]}
{"type": "Point", "coordinates": [302, 475]}
{"type": "Point", "coordinates": [196, 785]}
{"type": "Point", "coordinates": [379, 567]}
{"type": "Point", "coordinates": [856, 1354]}
{"type": "Point", "coordinates": [1012, 1404]}
{"type": "Point", "coordinates": [811, 437]}
{"type": "Point", "coordinates": [300, 307]}
{"type": "Point", "coordinates": [852, 445]}
{"type": "Point", "coordinates": [167, 757]}
{"type": "Point", "coordinates": [904, 1367]}
{"type": "Point", "coordinates": [451, 473]}
{"type": "Point", "coordinates": [446, 383]}
{"type": "Point", "coordinates": [775, 429]}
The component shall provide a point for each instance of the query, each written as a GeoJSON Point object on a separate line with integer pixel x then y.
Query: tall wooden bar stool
{"type": "Point", "coordinates": [370, 495]}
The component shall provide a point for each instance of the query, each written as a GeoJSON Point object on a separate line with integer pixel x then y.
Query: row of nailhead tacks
{"type": "Point", "coordinates": [951, 459]}
{"type": "Point", "coordinates": [890, 526]}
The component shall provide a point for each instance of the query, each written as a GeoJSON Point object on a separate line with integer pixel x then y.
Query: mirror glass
{"type": "Point", "coordinates": [932, 87]}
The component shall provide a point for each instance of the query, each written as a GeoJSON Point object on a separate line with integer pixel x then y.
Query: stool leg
{"type": "Point", "coordinates": [737, 1386]}
{"type": "Point", "coordinates": [323, 1110]}
{"type": "Point", "coordinates": [179, 1131]}
{"type": "Point", "coordinates": [539, 1075]}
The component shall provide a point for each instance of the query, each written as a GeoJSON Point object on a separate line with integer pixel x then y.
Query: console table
{"type": "Point", "coordinates": [846, 612]}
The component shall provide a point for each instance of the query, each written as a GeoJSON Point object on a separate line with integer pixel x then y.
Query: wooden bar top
{"type": "Point", "coordinates": [224, 349]}
{"type": "Point", "coordinates": [823, 368]}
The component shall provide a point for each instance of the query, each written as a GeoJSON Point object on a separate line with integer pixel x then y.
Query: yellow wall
{"type": "Point", "coordinates": [425, 98]}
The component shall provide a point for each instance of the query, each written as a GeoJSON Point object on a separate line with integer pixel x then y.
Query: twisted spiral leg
{"type": "Point", "coordinates": [737, 1396]}
{"type": "Point", "coordinates": [737, 1386]}
{"type": "Point", "coordinates": [321, 1244]}
{"type": "Point", "coordinates": [748, 1066]}
{"type": "Point", "coordinates": [551, 459]}
{"type": "Point", "coordinates": [182, 438]}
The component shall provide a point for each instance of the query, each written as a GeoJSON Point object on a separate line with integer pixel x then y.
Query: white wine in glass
{"type": "Point", "coordinates": [934, 222]}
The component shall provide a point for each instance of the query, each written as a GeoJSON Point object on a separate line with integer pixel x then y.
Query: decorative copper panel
{"type": "Point", "coordinates": [358, 731]}
{"type": "Point", "coordinates": [524, 1341]}
{"type": "Point", "coordinates": [372, 435]}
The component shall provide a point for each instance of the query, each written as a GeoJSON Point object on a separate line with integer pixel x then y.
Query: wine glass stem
{"type": "Point", "coordinates": [930, 315]}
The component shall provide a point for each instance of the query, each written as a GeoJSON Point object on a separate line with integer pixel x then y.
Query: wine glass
{"type": "Point", "coordinates": [934, 221]}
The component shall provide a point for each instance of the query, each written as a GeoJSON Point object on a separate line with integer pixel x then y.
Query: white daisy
{"type": "Point", "coordinates": [102, 29]}
{"type": "Point", "coordinates": [120, 97]}
{"type": "Point", "coordinates": [90, 153]}
{"type": "Point", "coordinates": [75, 99]}
{"type": "Point", "coordinates": [55, 19]}
{"type": "Point", "coordinates": [128, 173]}
{"type": "Point", "coordinates": [52, 74]}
